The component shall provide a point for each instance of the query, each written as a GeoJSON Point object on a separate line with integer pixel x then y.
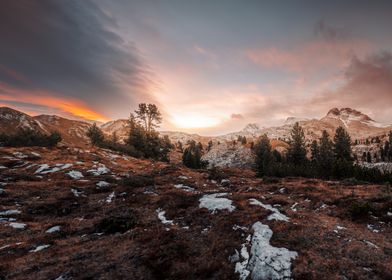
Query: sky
{"type": "Point", "coordinates": [211, 66]}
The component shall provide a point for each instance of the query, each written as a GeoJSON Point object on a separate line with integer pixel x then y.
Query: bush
{"type": "Point", "coordinates": [360, 209]}
{"type": "Point", "coordinates": [138, 181]}
{"type": "Point", "coordinates": [114, 224]}
{"type": "Point", "coordinates": [28, 138]}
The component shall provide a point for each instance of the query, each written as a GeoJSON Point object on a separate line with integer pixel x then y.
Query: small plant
{"type": "Point", "coordinates": [360, 209]}
{"type": "Point", "coordinates": [138, 181]}
{"type": "Point", "coordinates": [114, 224]}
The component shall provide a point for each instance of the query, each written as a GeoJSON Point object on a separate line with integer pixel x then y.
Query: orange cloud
{"type": "Point", "coordinates": [312, 56]}
{"type": "Point", "coordinates": [66, 106]}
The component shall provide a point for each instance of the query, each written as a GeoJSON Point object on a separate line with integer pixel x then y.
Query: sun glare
{"type": "Point", "coordinates": [194, 121]}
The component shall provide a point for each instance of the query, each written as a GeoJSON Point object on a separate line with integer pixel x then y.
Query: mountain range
{"type": "Point", "coordinates": [358, 125]}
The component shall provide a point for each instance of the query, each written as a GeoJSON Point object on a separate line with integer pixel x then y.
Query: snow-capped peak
{"type": "Point", "coordinates": [348, 114]}
{"type": "Point", "coordinates": [251, 128]}
{"type": "Point", "coordinates": [293, 120]}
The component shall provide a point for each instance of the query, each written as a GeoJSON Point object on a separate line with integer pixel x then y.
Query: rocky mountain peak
{"type": "Point", "coordinates": [251, 128]}
{"type": "Point", "coordinates": [348, 114]}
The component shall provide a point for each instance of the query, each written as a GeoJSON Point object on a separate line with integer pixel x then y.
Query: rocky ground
{"type": "Point", "coordinates": [75, 214]}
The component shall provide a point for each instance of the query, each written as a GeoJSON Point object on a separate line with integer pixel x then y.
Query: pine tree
{"type": "Point", "coordinates": [243, 140]}
{"type": "Point", "coordinates": [342, 145]}
{"type": "Point", "coordinates": [95, 134]}
{"type": "Point", "coordinates": [368, 157]}
{"type": "Point", "coordinates": [262, 151]}
{"type": "Point", "coordinates": [296, 153]}
{"type": "Point", "coordinates": [387, 151]}
{"type": "Point", "coordinates": [137, 135]}
{"type": "Point", "coordinates": [315, 152]}
{"type": "Point", "coordinates": [192, 156]}
{"type": "Point", "coordinates": [326, 156]}
{"type": "Point", "coordinates": [209, 145]}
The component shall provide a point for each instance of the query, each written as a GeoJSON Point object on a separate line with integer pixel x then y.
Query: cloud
{"type": "Point", "coordinates": [71, 49]}
{"type": "Point", "coordinates": [367, 86]}
{"type": "Point", "coordinates": [43, 102]}
{"type": "Point", "coordinates": [328, 32]}
{"type": "Point", "coordinates": [328, 50]}
{"type": "Point", "coordinates": [236, 116]}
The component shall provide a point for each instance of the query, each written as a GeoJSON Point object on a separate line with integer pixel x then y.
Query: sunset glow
{"type": "Point", "coordinates": [194, 121]}
{"type": "Point", "coordinates": [209, 72]}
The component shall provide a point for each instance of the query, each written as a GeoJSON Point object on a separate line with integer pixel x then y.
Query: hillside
{"type": "Point", "coordinates": [73, 132]}
{"type": "Point", "coordinates": [75, 213]}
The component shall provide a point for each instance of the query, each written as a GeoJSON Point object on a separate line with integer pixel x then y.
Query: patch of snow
{"type": "Point", "coordinates": [17, 225]}
{"type": "Point", "coordinates": [276, 215]}
{"type": "Point", "coordinates": [45, 168]}
{"type": "Point", "coordinates": [103, 184]}
{"type": "Point", "coordinates": [216, 201]}
{"type": "Point", "coordinates": [39, 248]}
{"type": "Point", "coordinates": [9, 212]}
{"type": "Point", "coordinates": [241, 266]}
{"type": "Point", "coordinates": [20, 155]}
{"type": "Point", "coordinates": [266, 261]}
{"type": "Point", "coordinates": [102, 169]}
{"type": "Point", "coordinates": [110, 197]}
{"type": "Point", "coordinates": [53, 229]}
{"type": "Point", "coordinates": [3, 167]}
{"type": "Point", "coordinates": [293, 207]}
{"type": "Point", "coordinates": [76, 193]}
{"type": "Point", "coordinates": [184, 188]}
{"type": "Point", "coordinates": [161, 216]}
{"type": "Point", "coordinates": [182, 177]}
{"type": "Point", "coordinates": [371, 228]}
{"type": "Point", "coordinates": [75, 174]}
{"type": "Point", "coordinates": [237, 227]}
{"type": "Point", "coordinates": [370, 244]}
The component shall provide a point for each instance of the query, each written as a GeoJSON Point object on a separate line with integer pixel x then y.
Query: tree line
{"type": "Point", "coordinates": [27, 137]}
{"type": "Point", "coordinates": [143, 140]}
{"type": "Point", "coordinates": [329, 158]}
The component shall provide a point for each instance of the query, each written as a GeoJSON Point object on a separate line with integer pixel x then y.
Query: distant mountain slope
{"type": "Point", "coordinates": [12, 120]}
{"type": "Point", "coordinates": [73, 132]}
{"type": "Point", "coordinates": [119, 127]}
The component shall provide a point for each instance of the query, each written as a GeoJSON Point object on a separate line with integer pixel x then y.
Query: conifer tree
{"type": "Point", "coordinates": [342, 145]}
{"type": "Point", "coordinates": [95, 134]}
{"type": "Point", "coordinates": [262, 151]}
{"type": "Point", "coordinates": [326, 156]}
{"type": "Point", "coordinates": [297, 151]}
{"type": "Point", "coordinates": [315, 152]}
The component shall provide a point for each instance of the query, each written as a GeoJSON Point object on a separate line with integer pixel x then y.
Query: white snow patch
{"type": "Point", "coordinates": [17, 225]}
{"type": "Point", "coordinates": [102, 169]}
{"type": "Point", "coordinates": [276, 215]}
{"type": "Point", "coordinates": [371, 228]}
{"type": "Point", "coordinates": [184, 188]}
{"type": "Point", "coordinates": [266, 261]}
{"type": "Point", "coordinates": [161, 216]}
{"type": "Point", "coordinates": [53, 229]}
{"type": "Point", "coordinates": [9, 212]}
{"type": "Point", "coordinates": [75, 174]}
{"type": "Point", "coordinates": [240, 266]}
{"type": "Point", "coordinates": [110, 197]}
{"type": "Point", "coordinates": [103, 184]}
{"type": "Point", "coordinates": [76, 192]}
{"type": "Point", "coordinates": [3, 167]}
{"type": "Point", "coordinates": [39, 248]}
{"type": "Point", "coordinates": [214, 202]}
{"type": "Point", "coordinates": [45, 168]}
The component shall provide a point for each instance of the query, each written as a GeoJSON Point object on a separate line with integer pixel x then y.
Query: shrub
{"type": "Point", "coordinates": [114, 224]}
{"type": "Point", "coordinates": [359, 209]}
{"type": "Point", "coordinates": [138, 181]}
{"type": "Point", "coordinates": [28, 138]}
